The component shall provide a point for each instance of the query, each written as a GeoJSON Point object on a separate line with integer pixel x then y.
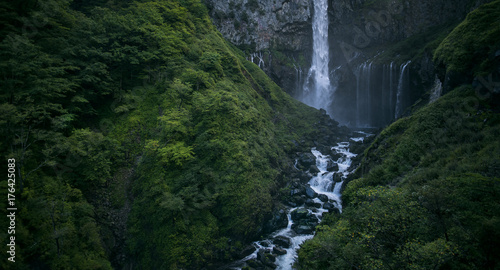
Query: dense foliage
{"type": "Point", "coordinates": [427, 193]}
{"type": "Point", "coordinates": [472, 45]}
{"type": "Point", "coordinates": [428, 197]}
{"type": "Point", "coordinates": [141, 137]}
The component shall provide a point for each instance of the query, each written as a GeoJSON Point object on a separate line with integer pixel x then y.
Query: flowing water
{"type": "Point", "coordinates": [322, 183]}
{"type": "Point", "coordinates": [317, 89]}
{"type": "Point", "coordinates": [399, 97]}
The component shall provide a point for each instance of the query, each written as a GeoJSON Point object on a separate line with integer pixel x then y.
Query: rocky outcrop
{"type": "Point", "coordinates": [367, 27]}
{"type": "Point", "coordinates": [278, 220]}
{"type": "Point", "coordinates": [276, 35]}
{"type": "Point", "coordinates": [304, 222]}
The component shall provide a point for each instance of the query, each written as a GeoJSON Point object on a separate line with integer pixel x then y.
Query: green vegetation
{"type": "Point", "coordinates": [144, 106]}
{"type": "Point", "coordinates": [416, 46]}
{"type": "Point", "coordinates": [471, 45]}
{"type": "Point", "coordinates": [426, 195]}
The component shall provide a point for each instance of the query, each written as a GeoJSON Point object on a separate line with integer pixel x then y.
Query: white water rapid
{"type": "Point", "coordinates": [317, 89]}
{"type": "Point", "coordinates": [323, 184]}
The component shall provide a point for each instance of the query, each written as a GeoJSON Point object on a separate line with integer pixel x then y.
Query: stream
{"type": "Point", "coordinates": [279, 249]}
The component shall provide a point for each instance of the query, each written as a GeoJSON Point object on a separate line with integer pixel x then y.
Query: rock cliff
{"type": "Point", "coordinates": [277, 36]}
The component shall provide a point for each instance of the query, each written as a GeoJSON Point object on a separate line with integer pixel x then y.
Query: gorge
{"type": "Point", "coordinates": [250, 134]}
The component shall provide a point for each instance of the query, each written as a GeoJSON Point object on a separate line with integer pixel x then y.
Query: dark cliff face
{"type": "Point", "coordinates": [385, 35]}
{"type": "Point", "coordinates": [360, 30]}
{"type": "Point", "coordinates": [277, 36]}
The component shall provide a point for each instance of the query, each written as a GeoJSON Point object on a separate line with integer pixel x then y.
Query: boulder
{"type": "Point", "coordinates": [282, 241]}
{"type": "Point", "coordinates": [311, 193]}
{"type": "Point", "coordinates": [299, 214]}
{"type": "Point", "coordinates": [246, 251]}
{"type": "Point", "coordinates": [304, 177]}
{"type": "Point", "coordinates": [334, 155]}
{"type": "Point", "coordinates": [323, 197]}
{"type": "Point", "coordinates": [323, 149]}
{"type": "Point", "coordinates": [314, 169]}
{"type": "Point", "coordinates": [279, 251]}
{"type": "Point", "coordinates": [329, 206]}
{"type": "Point", "coordinates": [264, 243]}
{"type": "Point", "coordinates": [332, 166]}
{"type": "Point", "coordinates": [254, 263]}
{"type": "Point", "coordinates": [337, 177]}
{"type": "Point", "coordinates": [294, 191]}
{"type": "Point", "coordinates": [334, 211]}
{"type": "Point", "coordinates": [311, 203]}
{"type": "Point", "coordinates": [307, 159]}
{"type": "Point", "coordinates": [296, 201]}
{"type": "Point", "coordinates": [299, 190]}
{"type": "Point", "coordinates": [303, 229]}
{"type": "Point", "coordinates": [278, 221]}
{"type": "Point", "coordinates": [266, 258]}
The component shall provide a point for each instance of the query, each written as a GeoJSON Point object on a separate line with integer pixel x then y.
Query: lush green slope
{"type": "Point", "coordinates": [426, 195]}
{"type": "Point", "coordinates": [136, 124]}
{"type": "Point", "coordinates": [472, 45]}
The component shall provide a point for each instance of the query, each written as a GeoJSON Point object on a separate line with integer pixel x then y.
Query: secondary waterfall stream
{"type": "Point", "coordinates": [400, 90]}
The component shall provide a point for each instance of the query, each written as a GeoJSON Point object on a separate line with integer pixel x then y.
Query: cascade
{"type": "Point", "coordinates": [436, 90]}
{"type": "Point", "coordinates": [401, 84]}
{"type": "Point", "coordinates": [317, 89]}
{"type": "Point", "coordinates": [391, 88]}
{"type": "Point", "coordinates": [323, 184]}
{"type": "Point", "coordinates": [363, 95]}
{"type": "Point", "coordinates": [259, 56]}
{"type": "Point", "coordinates": [381, 93]}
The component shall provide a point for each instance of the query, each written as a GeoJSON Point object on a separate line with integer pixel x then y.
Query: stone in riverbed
{"type": "Point", "coordinates": [279, 251]}
{"type": "Point", "coordinates": [254, 263]}
{"type": "Point", "coordinates": [307, 159]}
{"type": "Point", "coordinates": [296, 201]}
{"type": "Point", "coordinates": [335, 156]}
{"type": "Point", "coordinates": [329, 206]}
{"type": "Point", "coordinates": [245, 252]}
{"type": "Point", "coordinates": [323, 197]}
{"type": "Point", "coordinates": [282, 241]}
{"type": "Point", "coordinates": [299, 214]}
{"type": "Point", "coordinates": [266, 258]}
{"type": "Point", "coordinates": [314, 169]}
{"type": "Point", "coordinates": [311, 193]}
{"type": "Point", "coordinates": [312, 203]}
{"type": "Point", "coordinates": [277, 221]}
{"type": "Point", "coordinates": [337, 177]}
{"type": "Point", "coordinates": [304, 229]}
{"type": "Point", "coordinates": [332, 166]}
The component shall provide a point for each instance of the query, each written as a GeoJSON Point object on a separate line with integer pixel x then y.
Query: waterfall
{"type": "Point", "coordinates": [381, 93]}
{"type": "Point", "coordinates": [317, 89]}
{"type": "Point", "coordinates": [391, 88]}
{"type": "Point", "coordinates": [436, 90]}
{"type": "Point", "coordinates": [399, 97]}
{"type": "Point", "coordinates": [324, 184]}
{"type": "Point", "coordinates": [363, 95]}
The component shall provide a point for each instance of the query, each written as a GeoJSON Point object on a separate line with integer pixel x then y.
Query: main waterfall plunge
{"type": "Point", "coordinates": [374, 96]}
{"type": "Point", "coordinates": [317, 91]}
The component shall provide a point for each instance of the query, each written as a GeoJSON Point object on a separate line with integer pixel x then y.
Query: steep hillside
{"type": "Point", "coordinates": [141, 138]}
{"type": "Point", "coordinates": [426, 195]}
